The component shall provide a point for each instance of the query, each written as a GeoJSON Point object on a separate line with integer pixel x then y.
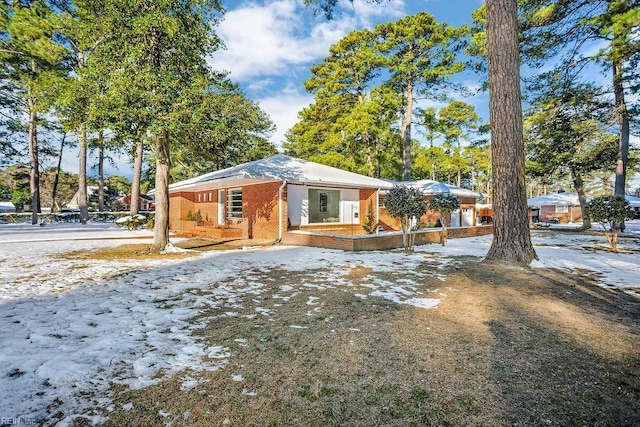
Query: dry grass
{"type": "Point", "coordinates": [507, 346]}
{"type": "Point", "coordinates": [145, 251]}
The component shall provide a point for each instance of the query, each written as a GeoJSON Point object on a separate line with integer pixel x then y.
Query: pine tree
{"type": "Point", "coordinates": [29, 59]}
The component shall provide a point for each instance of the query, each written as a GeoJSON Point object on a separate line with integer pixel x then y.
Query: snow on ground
{"type": "Point", "coordinates": [69, 327]}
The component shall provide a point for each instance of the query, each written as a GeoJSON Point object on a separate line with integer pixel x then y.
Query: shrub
{"type": "Point", "coordinates": [369, 223]}
{"type": "Point", "coordinates": [407, 204]}
{"type": "Point", "coordinates": [610, 212]}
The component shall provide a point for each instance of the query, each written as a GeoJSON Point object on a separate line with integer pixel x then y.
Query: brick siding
{"type": "Point", "coordinates": [377, 241]}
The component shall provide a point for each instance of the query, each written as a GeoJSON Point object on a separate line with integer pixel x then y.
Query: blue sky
{"type": "Point", "coordinates": [271, 46]}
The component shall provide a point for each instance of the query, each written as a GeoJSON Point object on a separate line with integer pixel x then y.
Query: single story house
{"type": "Point", "coordinates": [561, 207]}
{"type": "Point", "coordinates": [265, 198]}
{"type": "Point", "coordinates": [145, 203]}
{"type": "Point", "coordinates": [467, 215]}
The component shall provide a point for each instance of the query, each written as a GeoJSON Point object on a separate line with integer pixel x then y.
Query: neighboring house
{"type": "Point", "coordinates": [468, 215]}
{"type": "Point", "coordinates": [561, 207]}
{"type": "Point", "coordinates": [145, 203]}
{"type": "Point", "coordinates": [465, 216]}
{"type": "Point", "coordinates": [7, 207]}
{"type": "Point", "coordinates": [73, 203]}
{"type": "Point", "coordinates": [635, 205]}
{"type": "Point", "coordinates": [265, 198]}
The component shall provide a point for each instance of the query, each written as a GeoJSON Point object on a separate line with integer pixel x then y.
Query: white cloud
{"type": "Point", "coordinates": [267, 39]}
{"type": "Point", "coordinates": [264, 39]}
{"type": "Point", "coordinates": [283, 108]}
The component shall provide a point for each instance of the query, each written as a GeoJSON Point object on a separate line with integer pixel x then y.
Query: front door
{"type": "Point", "coordinates": [221, 218]}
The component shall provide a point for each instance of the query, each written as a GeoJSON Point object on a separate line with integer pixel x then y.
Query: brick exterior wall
{"type": "Point", "coordinates": [260, 211]}
{"type": "Point", "coordinates": [548, 212]}
{"type": "Point", "coordinates": [179, 204]}
{"type": "Point", "coordinates": [377, 241]}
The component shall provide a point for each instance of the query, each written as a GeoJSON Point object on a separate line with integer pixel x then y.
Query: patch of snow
{"type": "Point", "coordinates": [71, 326]}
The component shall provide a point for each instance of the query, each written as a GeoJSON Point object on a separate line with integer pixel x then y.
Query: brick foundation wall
{"type": "Point", "coordinates": [377, 241]}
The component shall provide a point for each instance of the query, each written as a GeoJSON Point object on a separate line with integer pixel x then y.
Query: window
{"type": "Point", "coordinates": [562, 209]}
{"type": "Point", "coordinates": [234, 203]}
{"type": "Point", "coordinates": [199, 197]}
{"type": "Point", "coordinates": [324, 205]}
{"type": "Point", "coordinates": [324, 202]}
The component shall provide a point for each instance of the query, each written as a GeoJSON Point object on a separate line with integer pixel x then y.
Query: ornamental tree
{"type": "Point", "coordinates": [444, 205]}
{"type": "Point", "coordinates": [407, 204]}
{"type": "Point", "coordinates": [609, 211]}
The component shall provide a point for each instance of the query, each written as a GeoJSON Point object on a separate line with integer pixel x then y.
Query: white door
{"type": "Point", "coordinates": [455, 218]}
{"type": "Point", "coordinates": [221, 201]}
{"type": "Point", "coordinates": [467, 217]}
{"type": "Point", "coordinates": [350, 212]}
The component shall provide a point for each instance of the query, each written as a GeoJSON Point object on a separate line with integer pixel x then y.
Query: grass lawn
{"type": "Point", "coordinates": [507, 346]}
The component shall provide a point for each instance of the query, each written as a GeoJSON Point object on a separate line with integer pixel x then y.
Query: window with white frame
{"type": "Point", "coordinates": [562, 209]}
{"type": "Point", "coordinates": [234, 203]}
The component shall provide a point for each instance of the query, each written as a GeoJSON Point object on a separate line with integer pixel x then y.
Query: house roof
{"type": "Point", "coordinates": [633, 201]}
{"type": "Point", "coordinates": [427, 186]}
{"type": "Point", "coordinates": [430, 187]}
{"type": "Point", "coordinates": [569, 199]}
{"type": "Point", "coordinates": [464, 192]}
{"type": "Point", "coordinates": [555, 199]}
{"type": "Point", "coordinates": [7, 207]}
{"type": "Point", "coordinates": [280, 168]}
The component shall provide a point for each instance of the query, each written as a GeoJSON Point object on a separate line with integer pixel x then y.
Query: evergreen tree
{"type": "Point", "coordinates": [420, 56]}
{"type": "Point", "coordinates": [30, 58]}
{"type": "Point", "coordinates": [554, 27]}
{"type": "Point", "coordinates": [458, 120]}
{"type": "Point", "coordinates": [511, 237]}
{"type": "Point", "coordinates": [157, 57]}
{"type": "Point", "coordinates": [567, 130]}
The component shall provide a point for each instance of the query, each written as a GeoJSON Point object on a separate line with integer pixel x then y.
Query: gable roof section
{"type": "Point", "coordinates": [280, 168]}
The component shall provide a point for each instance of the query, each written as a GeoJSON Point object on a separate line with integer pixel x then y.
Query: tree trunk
{"type": "Point", "coordinates": [444, 233]}
{"type": "Point", "coordinates": [163, 163]}
{"type": "Point", "coordinates": [614, 240]}
{"type": "Point", "coordinates": [623, 118]}
{"type": "Point", "coordinates": [54, 192]}
{"type": "Point", "coordinates": [578, 184]}
{"type": "Point", "coordinates": [101, 172]}
{"type": "Point", "coordinates": [135, 185]}
{"type": "Point", "coordinates": [406, 132]}
{"type": "Point", "coordinates": [622, 115]}
{"type": "Point", "coordinates": [459, 153]}
{"type": "Point", "coordinates": [82, 173]}
{"type": "Point", "coordinates": [34, 172]}
{"type": "Point", "coordinates": [511, 236]}
{"type": "Point", "coordinates": [366, 139]}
